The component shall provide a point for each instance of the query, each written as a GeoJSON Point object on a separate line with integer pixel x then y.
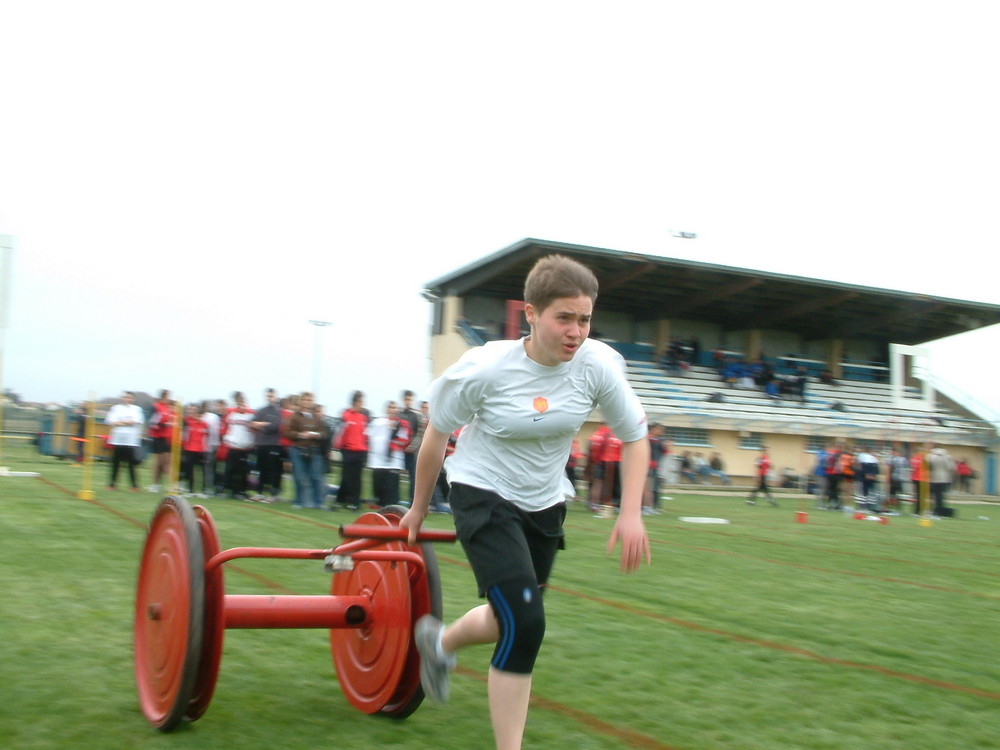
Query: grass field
{"type": "Point", "coordinates": [764, 633]}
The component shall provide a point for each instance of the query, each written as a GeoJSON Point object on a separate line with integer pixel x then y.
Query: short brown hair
{"type": "Point", "coordinates": [556, 276]}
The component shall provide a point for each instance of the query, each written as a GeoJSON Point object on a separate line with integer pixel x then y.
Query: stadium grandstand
{"type": "Point", "coordinates": [859, 348]}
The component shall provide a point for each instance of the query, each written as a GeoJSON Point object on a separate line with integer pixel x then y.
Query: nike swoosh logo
{"type": "Point", "coordinates": [536, 419]}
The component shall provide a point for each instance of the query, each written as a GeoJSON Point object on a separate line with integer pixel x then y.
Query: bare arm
{"type": "Point", "coordinates": [629, 528]}
{"type": "Point", "coordinates": [430, 457]}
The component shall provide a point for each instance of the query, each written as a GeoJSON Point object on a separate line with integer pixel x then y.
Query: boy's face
{"type": "Point", "coordinates": [558, 331]}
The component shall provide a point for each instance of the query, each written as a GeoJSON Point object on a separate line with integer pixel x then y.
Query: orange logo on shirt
{"type": "Point", "coordinates": [541, 405]}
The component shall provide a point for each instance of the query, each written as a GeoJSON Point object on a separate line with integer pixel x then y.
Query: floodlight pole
{"type": "Point", "coordinates": [6, 252]}
{"type": "Point", "coordinates": [318, 352]}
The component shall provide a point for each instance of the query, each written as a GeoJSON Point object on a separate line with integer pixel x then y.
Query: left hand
{"type": "Point", "coordinates": [635, 543]}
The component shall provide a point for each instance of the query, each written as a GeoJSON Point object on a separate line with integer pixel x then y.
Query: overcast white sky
{"type": "Point", "coordinates": [190, 182]}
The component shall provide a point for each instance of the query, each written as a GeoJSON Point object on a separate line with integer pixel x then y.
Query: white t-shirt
{"type": "Point", "coordinates": [238, 434]}
{"type": "Point", "coordinates": [521, 416]}
{"type": "Point", "coordinates": [381, 455]}
{"type": "Point", "coordinates": [129, 434]}
{"type": "Point", "coordinates": [214, 428]}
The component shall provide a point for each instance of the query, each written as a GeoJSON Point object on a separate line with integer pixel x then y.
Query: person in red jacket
{"type": "Point", "coordinates": [161, 430]}
{"type": "Point", "coordinates": [763, 464]}
{"type": "Point", "coordinates": [352, 442]}
{"type": "Point", "coordinates": [194, 449]}
{"type": "Point", "coordinates": [611, 459]}
{"type": "Point", "coordinates": [595, 467]}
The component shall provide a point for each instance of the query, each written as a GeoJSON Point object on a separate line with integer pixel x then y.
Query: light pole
{"type": "Point", "coordinates": [318, 352]}
{"type": "Point", "coordinates": [6, 252]}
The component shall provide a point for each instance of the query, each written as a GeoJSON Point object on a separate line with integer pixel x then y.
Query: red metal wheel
{"type": "Point", "coordinates": [370, 660]}
{"type": "Point", "coordinates": [214, 623]}
{"type": "Point", "coordinates": [425, 598]}
{"type": "Point", "coordinates": [169, 614]}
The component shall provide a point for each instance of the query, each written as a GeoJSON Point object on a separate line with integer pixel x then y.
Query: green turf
{"type": "Point", "coordinates": [764, 633]}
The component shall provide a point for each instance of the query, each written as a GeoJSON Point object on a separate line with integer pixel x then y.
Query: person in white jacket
{"type": "Point", "coordinates": [388, 437]}
{"type": "Point", "coordinates": [125, 420]}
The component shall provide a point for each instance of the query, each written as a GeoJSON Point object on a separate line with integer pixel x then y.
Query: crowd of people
{"type": "Point", "coordinates": [887, 483]}
{"type": "Point", "coordinates": [736, 372]}
{"type": "Point", "coordinates": [234, 450]}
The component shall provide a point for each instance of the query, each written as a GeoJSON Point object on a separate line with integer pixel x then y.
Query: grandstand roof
{"type": "Point", "coordinates": [650, 287]}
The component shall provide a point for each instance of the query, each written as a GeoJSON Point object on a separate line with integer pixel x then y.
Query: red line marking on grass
{"type": "Point", "coordinates": [966, 537]}
{"type": "Point", "coordinates": [782, 646]}
{"type": "Point", "coordinates": [764, 643]}
{"type": "Point", "coordinates": [97, 503]}
{"type": "Point", "coordinates": [628, 736]}
{"type": "Point", "coordinates": [818, 569]}
{"type": "Point", "coordinates": [848, 553]}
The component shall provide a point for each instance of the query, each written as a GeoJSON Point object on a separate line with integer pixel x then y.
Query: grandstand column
{"type": "Point", "coordinates": [663, 329]}
{"type": "Point", "coordinates": [751, 347]}
{"type": "Point", "coordinates": [834, 356]}
{"type": "Point", "coordinates": [447, 344]}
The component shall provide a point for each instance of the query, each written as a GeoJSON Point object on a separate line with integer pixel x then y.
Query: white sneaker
{"type": "Point", "coordinates": [434, 664]}
{"type": "Point", "coordinates": [153, 488]}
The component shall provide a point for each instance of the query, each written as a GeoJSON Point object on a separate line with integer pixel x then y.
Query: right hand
{"type": "Point", "coordinates": [412, 522]}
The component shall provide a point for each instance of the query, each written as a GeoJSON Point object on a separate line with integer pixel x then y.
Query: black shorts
{"type": "Point", "coordinates": [161, 445]}
{"type": "Point", "coordinates": [503, 542]}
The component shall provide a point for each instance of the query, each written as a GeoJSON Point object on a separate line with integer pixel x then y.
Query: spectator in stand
{"type": "Point", "coordinates": [388, 437]}
{"type": "Point", "coordinates": [763, 466]}
{"type": "Point", "coordinates": [125, 420]}
{"type": "Point", "coordinates": [306, 432]}
{"type": "Point", "coordinates": [700, 467]}
{"type": "Point", "coordinates": [213, 422]}
{"type": "Point", "coordinates": [719, 360]}
{"type": "Point", "coordinates": [670, 362]}
{"type": "Point", "coordinates": [266, 426]}
{"type": "Point", "coordinates": [773, 390]}
{"type": "Point", "coordinates": [965, 474]}
{"type": "Point", "coordinates": [826, 377]}
{"type": "Point", "coordinates": [239, 441]}
{"type": "Point", "coordinates": [716, 468]}
{"type": "Point", "coordinates": [161, 430]}
{"type": "Point", "coordinates": [416, 420]}
{"type": "Point", "coordinates": [194, 449]}
{"type": "Point", "coordinates": [352, 442]}
{"type": "Point", "coordinates": [732, 372]}
{"type": "Point", "coordinates": [687, 468]}
{"type": "Point", "coordinates": [941, 467]}
{"type": "Point", "coordinates": [798, 383]}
